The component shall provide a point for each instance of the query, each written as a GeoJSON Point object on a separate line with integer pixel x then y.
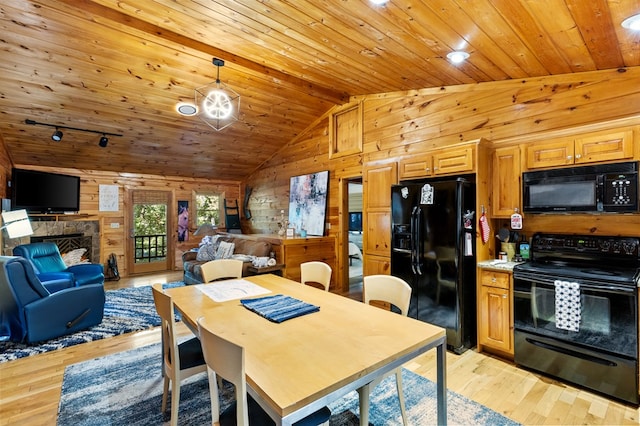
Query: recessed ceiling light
{"type": "Point", "coordinates": [632, 23]}
{"type": "Point", "coordinates": [378, 2]}
{"type": "Point", "coordinates": [185, 108]}
{"type": "Point", "coordinates": [457, 56]}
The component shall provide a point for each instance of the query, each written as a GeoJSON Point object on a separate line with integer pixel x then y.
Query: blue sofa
{"type": "Point", "coordinates": [30, 313]}
{"type": "Point", "coordinates": [49, 266]}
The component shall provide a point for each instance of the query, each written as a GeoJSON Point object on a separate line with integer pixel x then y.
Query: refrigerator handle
{"type": "Point", "coordinates": [413, 240]}
{"type": "Point", "coordinates": [418, 239]}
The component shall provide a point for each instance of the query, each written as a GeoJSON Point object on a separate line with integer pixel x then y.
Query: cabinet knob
{"type": "Point", "coordinates": [569, 157]}
{"type": "Point", "coordinates": [493, 280]}
{"type": "Point", "coordinates": [504, 296]}
{"type": "Point", "coordinates": [578, 156]}
{"type": "Point", "coordinates": [428, 168]}
{"type": "Point", "coordinates": [435, 168]}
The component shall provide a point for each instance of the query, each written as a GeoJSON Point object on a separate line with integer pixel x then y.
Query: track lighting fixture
{"type": "Point", "coordinates": [57, 135]}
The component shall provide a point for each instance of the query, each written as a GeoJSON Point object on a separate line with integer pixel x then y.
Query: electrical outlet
{"type": "Point", "coordinates": [115, 225]}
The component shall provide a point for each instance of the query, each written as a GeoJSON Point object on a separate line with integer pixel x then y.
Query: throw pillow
{"type": "Point", "coordinates": [74, 257]}
{"type": "Point", "coordinates": [207, 252]}
{"type": "Point", "coordinates": [225, 250]}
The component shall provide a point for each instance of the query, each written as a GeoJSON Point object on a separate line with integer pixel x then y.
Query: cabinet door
{"type": "Point", "coordinates": [494, 329]}
{"type": "Point", "coordinates": [453, 161]}
{"type": "Point", "coordinates": [550, 154]}
{"type": "Point", "coordinates": [377, 265]}
{"type": "Point", "coordinates": [505, 185]}
{"type": "Point", "coordinates": [604, 147]}
{"type": "Point", "coordinates": [376, 205]}
{"type": "Point", "coordinates": [416, 167]}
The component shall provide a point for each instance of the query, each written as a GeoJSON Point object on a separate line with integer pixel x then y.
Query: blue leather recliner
{"type": "Point", "coordinates": [48, 263]}
{"type": "Point", "coordinates": [30, 313]}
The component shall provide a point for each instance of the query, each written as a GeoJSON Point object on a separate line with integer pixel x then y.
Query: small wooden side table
{"type": "Point", "coordinates": [275, 269]}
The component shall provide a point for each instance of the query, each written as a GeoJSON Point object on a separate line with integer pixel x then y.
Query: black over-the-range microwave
{"type": "Point", "coordinates": [597, 188]}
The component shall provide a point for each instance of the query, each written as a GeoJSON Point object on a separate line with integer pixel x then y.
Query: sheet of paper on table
{"type": "Point", "coordinates": [224, 291]}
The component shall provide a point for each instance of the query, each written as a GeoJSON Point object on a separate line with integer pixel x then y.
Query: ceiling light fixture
{"type": "Point", "coordinates": [57, 135]}
{"type": "Point", "coordinates": [457, 56]}
{"type": "Point", "coordinates": [378, 2]}
{"type": "Point", "coordinates": [186, 108]}
{"type": "Point", "coordinates": [632, 23]}
{"type": "Point", "coordinates": [219, 105]}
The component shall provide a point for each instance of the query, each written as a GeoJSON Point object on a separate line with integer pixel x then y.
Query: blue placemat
{"type": "Point", "coordinates": [279, 308]}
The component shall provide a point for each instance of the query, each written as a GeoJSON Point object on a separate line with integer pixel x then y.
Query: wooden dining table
{"type": "Point", "coordinates": [295, 367]}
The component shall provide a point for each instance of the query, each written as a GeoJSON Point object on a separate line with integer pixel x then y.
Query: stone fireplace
{"type": "Point", "coordinates": [67, 235]}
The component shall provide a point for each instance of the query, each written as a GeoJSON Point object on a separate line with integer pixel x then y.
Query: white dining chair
{"type": "Point", "coordinates": [395, 291]}
{"type": "Point", "coordinates": [316, 274]}
{"type": "Point", "coordinates": [179, 361]}
{"type": "Point", "coordinates": [221, 268]}
{"type": "Point", "coordinates": [225, 359]}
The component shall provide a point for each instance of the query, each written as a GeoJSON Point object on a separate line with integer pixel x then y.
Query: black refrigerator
{"type": "Point", "coordinates": [433, 250]}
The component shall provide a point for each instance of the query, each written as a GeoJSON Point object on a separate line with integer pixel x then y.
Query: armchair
{"type": "Point", "coordinates": [46, 259]}
{"type": "Point", "coordinates": [30, 313]}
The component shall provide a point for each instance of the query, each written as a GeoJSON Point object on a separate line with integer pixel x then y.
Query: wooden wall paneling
{"type": "Point", "coordinates": [397, 125]}
{"type": "Point", "coordinates": [113, 240]}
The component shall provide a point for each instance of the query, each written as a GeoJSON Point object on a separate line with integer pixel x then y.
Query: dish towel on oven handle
{"type": "Point", "coordinates": [279, 308]}
{"type": "Point", "coordinates": [568, 305]}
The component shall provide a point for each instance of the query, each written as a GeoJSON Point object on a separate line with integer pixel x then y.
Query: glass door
{"type": "Point", "coordinates": [149, 246]}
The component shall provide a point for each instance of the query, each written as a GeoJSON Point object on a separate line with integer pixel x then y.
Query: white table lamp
{"type": "Point", "coordinates": [17, 223]}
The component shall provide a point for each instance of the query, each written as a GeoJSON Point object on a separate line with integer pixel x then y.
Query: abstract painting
{"type": "Point", "coordinates": [308, 202]}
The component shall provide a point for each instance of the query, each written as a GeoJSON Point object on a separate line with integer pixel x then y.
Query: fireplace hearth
{"type": "Point", "coordinates": [68, 235]}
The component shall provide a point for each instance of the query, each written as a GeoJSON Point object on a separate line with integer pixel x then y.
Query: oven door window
{"type": "Point", "coordinates": [607, 319]}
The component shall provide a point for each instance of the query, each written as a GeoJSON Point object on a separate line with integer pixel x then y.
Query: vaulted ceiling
{"type": "Point", "coordinates": [122, 66]}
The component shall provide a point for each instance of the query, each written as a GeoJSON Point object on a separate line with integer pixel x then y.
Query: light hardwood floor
{"type": "Point", "coordinates": [30, 387]}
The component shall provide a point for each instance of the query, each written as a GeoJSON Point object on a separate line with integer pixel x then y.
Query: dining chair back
{"type": "Point", "coordinates": [316, 274]}
{"type": "Point", "coordinates": [221, 269]}
{"type": "Point", "coordinates": [179, 361]}
{"type": "Point", "coordinates": [226, 359]}
{"type": "Point", "coordinates": [395, 291]}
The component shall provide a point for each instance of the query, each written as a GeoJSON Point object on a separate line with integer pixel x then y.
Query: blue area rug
{"type": "Point", "coordinates": [125, 310]}
{"type": "Point", "coordinates": [126, 389]}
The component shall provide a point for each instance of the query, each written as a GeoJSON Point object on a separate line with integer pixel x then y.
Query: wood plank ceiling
{"type": "Point", "coordinates": [122, 66]}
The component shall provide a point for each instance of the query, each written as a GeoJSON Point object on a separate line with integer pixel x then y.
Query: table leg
{"type": "Point", "coordinates": [441, 390]}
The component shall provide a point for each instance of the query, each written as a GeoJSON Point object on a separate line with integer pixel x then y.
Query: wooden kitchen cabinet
{"type": "Point", "coordinates": [376, 203]}
{"type": "Point", "coordinates": [583, 149]}
{"type": "Point", "coordinates": [495, 311]}
{"type": "Point", "coordinates": [505, 183]}
{"type": "Point", "coordinates": [416, 167]}
{"type": "Point", "coordinates": [438, 162]}
{"type": "Point", "coordinates": [295, 251]}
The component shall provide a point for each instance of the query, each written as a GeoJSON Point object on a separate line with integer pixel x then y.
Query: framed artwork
{"type": "Point", "coordinates": [308, 202]}
{"type": "Point", "coordinates": [183, 221]}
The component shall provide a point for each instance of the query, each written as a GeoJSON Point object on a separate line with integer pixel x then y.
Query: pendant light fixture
{"type": "Point", "coordinates": [218, 105]}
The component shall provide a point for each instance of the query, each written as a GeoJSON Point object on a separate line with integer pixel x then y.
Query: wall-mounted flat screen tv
{"type": "Point", "coordinates": [355, 221]}
{"type": "Point", "coordinates": [43, 192]}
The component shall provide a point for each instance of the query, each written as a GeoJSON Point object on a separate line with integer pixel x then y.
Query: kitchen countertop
{"type": "Point", "coordinates": [499, 265]}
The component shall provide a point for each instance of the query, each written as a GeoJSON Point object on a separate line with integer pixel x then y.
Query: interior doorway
{"type": "Point", "coordinates": [354, 234]}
